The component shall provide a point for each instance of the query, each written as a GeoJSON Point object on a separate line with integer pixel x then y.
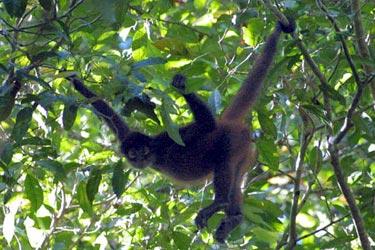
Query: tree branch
{"type": "Point", "coordinates": [342, 40]}
{"type": "Point", "coordinates": [332, 147]}
{"type": "Point", "coordinates": [361, 42]}
{"type": "Point", "coordinates": [294, 209]}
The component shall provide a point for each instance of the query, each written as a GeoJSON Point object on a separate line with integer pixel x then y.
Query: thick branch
{"type": "Point", "coordinates": [354, 210]}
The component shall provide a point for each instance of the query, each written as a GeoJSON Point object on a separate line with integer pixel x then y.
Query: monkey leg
{"type": "Point", "coordinates": [223, 181]}
{"type": "Point", "coordinates": [233, 211]}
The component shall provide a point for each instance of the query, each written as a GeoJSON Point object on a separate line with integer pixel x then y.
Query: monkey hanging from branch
{"type": "Point", "coordinates": [214, 148]}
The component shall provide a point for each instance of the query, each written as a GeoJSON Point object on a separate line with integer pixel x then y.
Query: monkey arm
{"type": "Point", "coordinates": [204, 119]}
{"type": "Point", "coordinates": [113, 120]}
{"type": "Point", "coordinates": [202, 113]}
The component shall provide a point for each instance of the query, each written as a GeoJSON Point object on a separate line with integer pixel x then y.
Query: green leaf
{"type": "Point", "coordinates": [69, 115]}
{"type": "Point", "coordinates": [268, 152]}
{"type": "Point", "coordinates": [172, 45]}
{"type": "Point", "coordinates": [22, 123]}
{"type": "Point", "coordinates": [15, 8]}
{"type": "Point", "coordinates": [121, 9]}
{"type": "Point", "coordinates": [340, 241]}
{"type": "Point", "coordinates": [360, 60]}
{"type": "Point", "coordinates": [317, 111]}
{"type": "Point", "coordinates": [265, 235]}
{"type": "Point", "coordinates": [267, 124]}
{"type": "Point", "coordinates": [83, 200]}
{"type": "Point", "coordinates": [252, 32]}
{"type": "Point", "coordinates": [46, 4]}
{"type": "Point", "coordinates": [172, 64]}
{"type": "Point", "coordinates": [93, 183]}
{"type": "Point", "coordinates": [148, 62]}
{"type": "Point", "coordinates": [181, 240]}
{"type": "Point", "coordinates": [43, 56]}
{"type": "Point", "coordinates": [36, 141]}
{"type": "Point", "coordinates": [33, 192]}
{"type": "Point", "coordinates": [119, 179]}
{"type": "Point", "coordinates": [129, 209]}
{"type": "Point", "coordinates": [200, 4]}
{"type": "Point", "coordinates": [142, 104]}
{"type": "Point", "coordinates": [170, 127]}
{"type": "Point", "coordinates": [35, 79]}
{"type": "Point", "coordinates": [333, 94]}
{"type": "Point", "coordinates": [316, 158]}
{"type": "Point", "coordinates": [6, 154]}
{"type": "Point", "coordinates": [6, 105]}
{"type": "Point", "coordinates": [53, 166]}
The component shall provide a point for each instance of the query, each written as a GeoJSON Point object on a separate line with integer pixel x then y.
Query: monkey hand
{"type": "Point", "coordinates": [179, 82]}
{"type": "Point", "coordinates": [291, 25]}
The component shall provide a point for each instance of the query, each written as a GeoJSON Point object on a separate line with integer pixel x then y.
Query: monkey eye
{"type": "Point", "coordinates": [146, 150]}
{"type": "Point", "coordinates": [132, 154]}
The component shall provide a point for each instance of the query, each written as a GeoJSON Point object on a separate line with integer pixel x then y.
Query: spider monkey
{"type": "Point", "coordinates": [218, 149]}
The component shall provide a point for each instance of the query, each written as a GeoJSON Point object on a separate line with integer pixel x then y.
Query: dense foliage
{"type": "Point", "coordinates": [63, 184]}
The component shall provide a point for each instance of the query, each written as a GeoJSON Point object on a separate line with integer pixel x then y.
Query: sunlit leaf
{"type": "Point", "coordinates": [199, 4]}
{"type": "Point", "coordinates": [9, 226]}
{"type": "Point", "coordinates": [177, 64]}
{"type": "Point", "coordinates": [83, 200]}
{"type": "Point", "coordinates": [171, 128]}
{"type": "Point", "coordinates": [33, 192]}
{"type": "Point", "coordinates": [252, 32]}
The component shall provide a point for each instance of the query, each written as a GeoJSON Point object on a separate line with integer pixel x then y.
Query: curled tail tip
{"type": "Point", "coordinates": [290, 28]}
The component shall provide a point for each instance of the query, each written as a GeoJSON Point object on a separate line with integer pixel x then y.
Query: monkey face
{"type": "Point", "coordinates": [140, 157]}
{"type": "Point", "coordinates": [136, 148]}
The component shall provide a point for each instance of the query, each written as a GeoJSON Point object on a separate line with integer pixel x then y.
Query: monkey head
{"type": "Point", "coordinates": [137, 149]}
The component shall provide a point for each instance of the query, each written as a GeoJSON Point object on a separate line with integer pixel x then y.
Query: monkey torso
{"type": "Point", "coordinates": [204, 151]}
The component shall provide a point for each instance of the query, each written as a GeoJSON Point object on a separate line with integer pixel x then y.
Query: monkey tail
{"type": "Point", "coordinates": [248, 92]}
{"type": "Point", "coordinates": [113, 120]}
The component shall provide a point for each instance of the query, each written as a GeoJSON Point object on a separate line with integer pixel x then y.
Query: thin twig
{"type": "Point", "coordinates": [295, 206]}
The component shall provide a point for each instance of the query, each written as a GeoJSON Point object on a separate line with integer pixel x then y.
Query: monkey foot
{"type": "Point", "coordinates": [226, 226]}
{"type": "Point", "coordinates": [201, 220]}
{"type": "Point", "coordinates": [206, 213]}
